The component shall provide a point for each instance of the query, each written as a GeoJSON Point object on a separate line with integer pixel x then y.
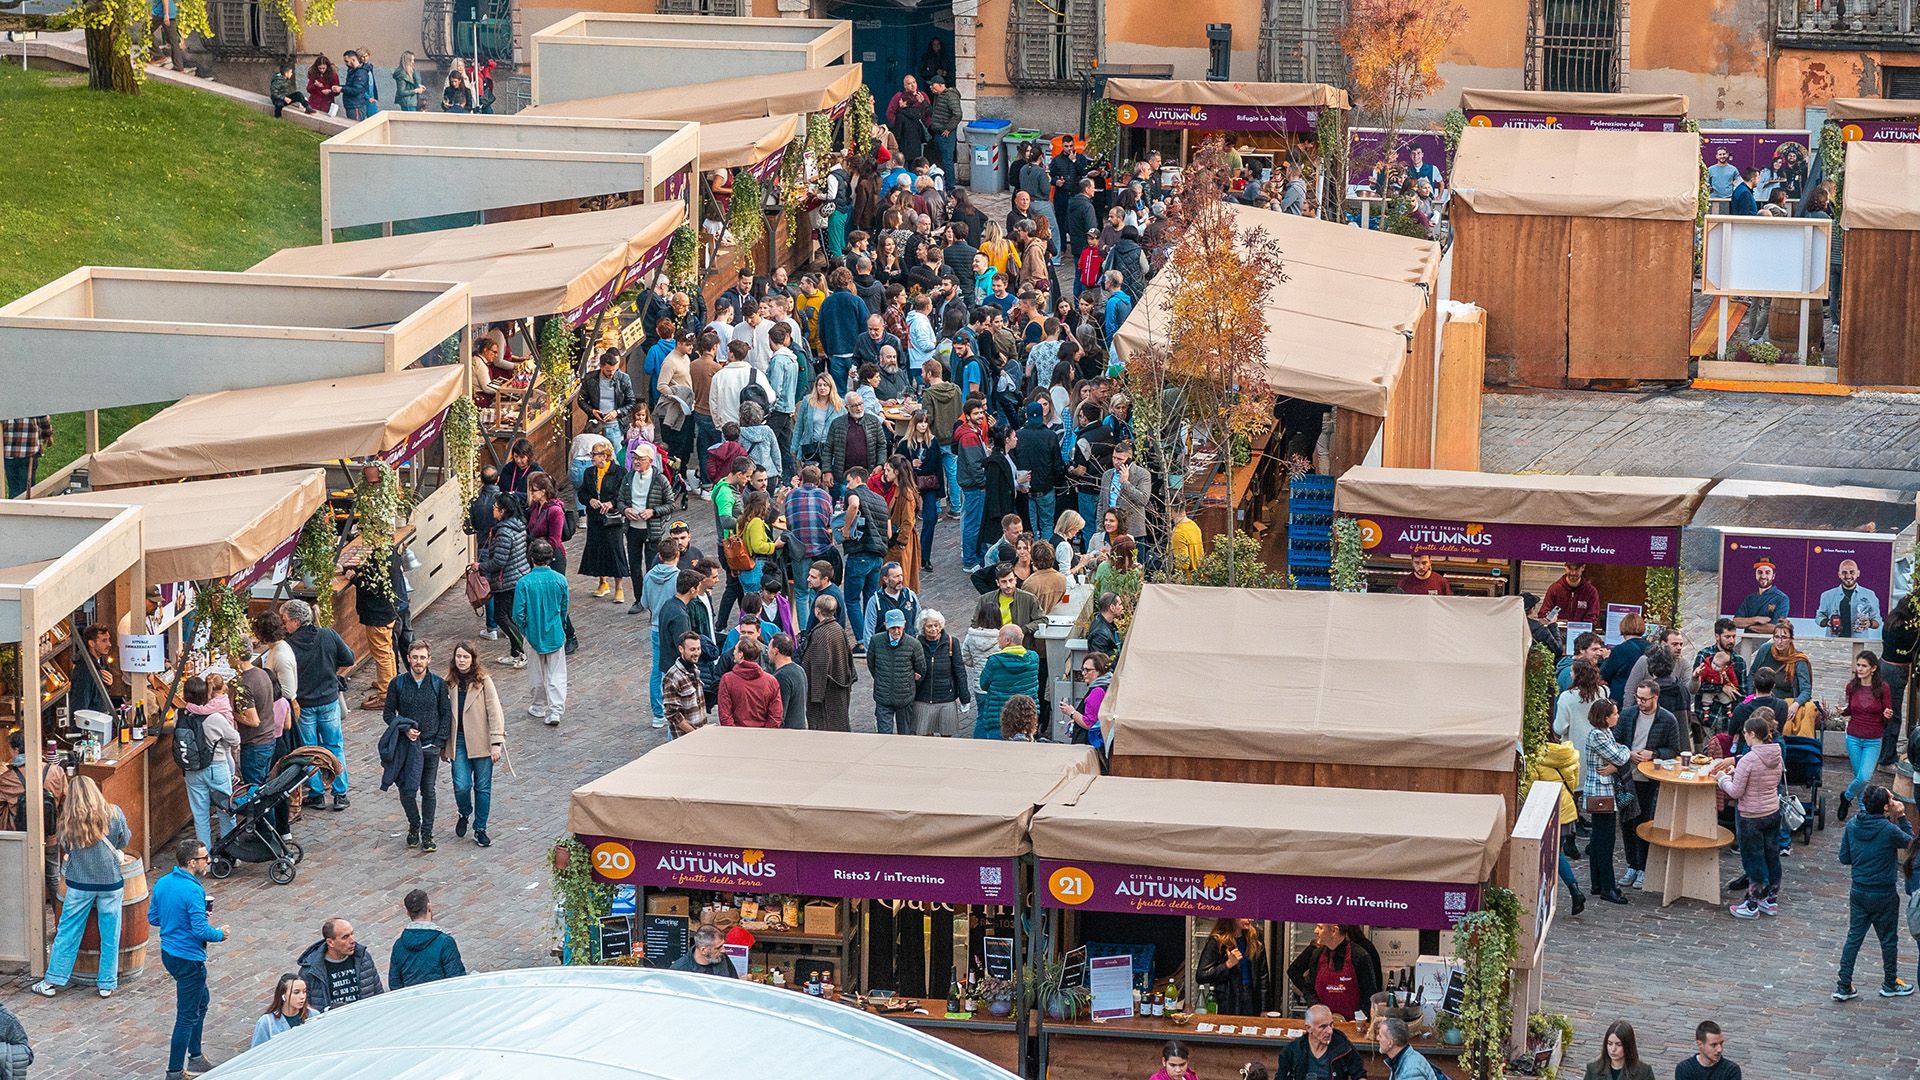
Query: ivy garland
{"type": "Point", "coordinates": [819, 138]}
{"type": "Point", "coordinates": [746, 219]}
{"type": "Point", "coordinates": [376, 509]}
{"type": "Point", "coordinates": [313, 561]}
{"type": "Point", "coordinates": [462, 432]}
{"type": "Point", "coordinates": [1536, 722]}
{"type": "Point", "coordinates": [223, 612]}
{"type": "Point", "coordinates": [1330, 139]}
{"type": "Point", "coordinates": [860, 120]}
{"type": "Point", "coordinates": [1663, 596]}
{"type": "Point", "coordinates": [1103, 129]}
{"type": "Point", "coordinates": [793, 188]}
{"type": "Point", "coordinates": [683, 256]}
{"type": "Point", "coordinates": [1453, 125]}
{"type": "Point", "coordinates": [1833, 157]}
{"type": "Point", "coordinates": [1703, 201]}
{"type": "Point", "coordinates": [558, 345]}
{"type": "Point", "coordinates": [1487, 941]}
{"type": "Point", "coordinates": [1347, 556]}
{"type": "Point", "coordinates": [582, 901]}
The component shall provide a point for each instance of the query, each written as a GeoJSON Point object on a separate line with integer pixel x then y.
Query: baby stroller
{"type": "Point", "coordinates": [255, 836]}
{"type": "Point", "coordinates": [1803, 754]}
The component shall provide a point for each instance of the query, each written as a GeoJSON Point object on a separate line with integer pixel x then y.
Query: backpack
{"type": "Point", "coordinates": [50, 812]}
{"type": "Point", "coordinates": [756, 393]}
{"type": "Point", "coordinates": [192, 750]}
{"type": "Point", "coordinates": [1913, 914]}
{"type": "Point", "coordinates": [569, 524]}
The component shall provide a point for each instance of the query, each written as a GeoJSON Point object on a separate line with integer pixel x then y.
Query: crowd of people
{"type": "Point", "coordinates": [354, 93]}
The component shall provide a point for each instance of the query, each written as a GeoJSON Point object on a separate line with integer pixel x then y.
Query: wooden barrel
{"type": "Point", "coordinates": [133, 928]}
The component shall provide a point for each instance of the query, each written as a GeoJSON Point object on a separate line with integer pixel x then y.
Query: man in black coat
{"type": "Point", "coordinates": [1322, 1052]}
{"type": "Point", "coordinates": [1082, 219]}
{"type": "Point", "coordinates": [337, 969]}
{"type": "Point", "coordinates": [1644, 725]}
{"type": "Point", "coordinates": [419, 695]}
{"type": "Point", "coordinates": [1037, 453]}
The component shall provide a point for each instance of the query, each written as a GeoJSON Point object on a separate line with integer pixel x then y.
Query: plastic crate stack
{"type": "Point", "coordinates": [1310, 531]}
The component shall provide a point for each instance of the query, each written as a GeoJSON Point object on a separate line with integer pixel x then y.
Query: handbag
{"type": "Point", "coordinates": [1599, 804]}
{"type": "Point", "coordinates": [478, 588]}
{"type": "Point", "coordinates": [1794, 811]}
{"type": "Point", "coordinates": [733, 549]}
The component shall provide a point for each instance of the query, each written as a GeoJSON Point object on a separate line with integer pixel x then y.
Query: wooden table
{"type": "Point", "coordinates": [1685, 835]}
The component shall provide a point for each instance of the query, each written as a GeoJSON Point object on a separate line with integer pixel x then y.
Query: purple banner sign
{"type": "Point", "coordinates": [652, 261]}
{"type": "Point", "coordinates": [1151, 890]}
{"type": "Point", "coordinates": [675, 186]}
{"type": "Point", "coordinates": [938, 879]}
{"type": "Point", "coordinates": [1624, 546]}
{"type": "Point", "coordinates": [1574, 121]}
{"type": "Point", "coordinates": [1749, 149]}
{"type": "Point", "coordinates": [1806, 567]}
{"type": "Point", "coordinates": [768, 167]}
{"type": "Point", "coordinates": [245, 578]}
{"type": "Point", "coordinates": [1144, 114]}
{"type": "Point", "coordinates": [417, 441]}
{"type": "Point", "coordinates": [1365, 158]}
{"type": "Point", "coordinates": [1881, 130]}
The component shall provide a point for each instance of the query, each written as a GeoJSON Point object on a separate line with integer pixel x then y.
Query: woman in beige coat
{"type": "Point", "coordinates": [479, 740]}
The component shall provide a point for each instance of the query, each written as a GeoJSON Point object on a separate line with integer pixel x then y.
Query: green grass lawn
{"type": "Point", "coordinates": [170, 178]}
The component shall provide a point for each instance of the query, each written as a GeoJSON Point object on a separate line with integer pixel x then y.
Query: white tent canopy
{"type": "Point", "coordinates": [600, 1023]}
{"type": "Point", "coordinates": [592, 54]}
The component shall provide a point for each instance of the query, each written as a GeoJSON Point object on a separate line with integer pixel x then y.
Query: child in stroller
{"type": "Point", "coordinates": [259, 814]}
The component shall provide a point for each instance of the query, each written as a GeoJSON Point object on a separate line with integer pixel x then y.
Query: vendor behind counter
{"type": "Point", "coordinates": [1340, 970]}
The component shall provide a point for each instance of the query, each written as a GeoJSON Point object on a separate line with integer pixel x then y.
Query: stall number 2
{"type": "Point", "coordinates": [612, 861]}
{"type": "Point", "coordinates": [1070, 885]}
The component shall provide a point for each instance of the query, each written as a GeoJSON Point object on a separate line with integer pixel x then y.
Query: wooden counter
{"type": "Point", "coordinates": [142, 780]}
{"type": "Point", "coordinates": [986, 1037]}
{"type": "Point", "coordinates": [1128, 1049]}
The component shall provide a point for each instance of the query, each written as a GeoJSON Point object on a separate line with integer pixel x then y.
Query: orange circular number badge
{"type": "Point", "coordinates": [1070, 885]}
{"type": "Point", "coordinates": [611, 860]}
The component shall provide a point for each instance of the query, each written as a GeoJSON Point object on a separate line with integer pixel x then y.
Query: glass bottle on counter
{"type": "Point", "coordinates": [814, 987]}
{"type": "Point", "coordinates": [139, 722]}
{"type": "Point", "coordinates": [1158, 1007]}
{"type": "Point", "coordinates": [1173, 996]}
{"type": "Point", "coordinates": [953, 993]}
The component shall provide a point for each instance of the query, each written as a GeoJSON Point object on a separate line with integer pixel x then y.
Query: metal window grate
{"type": "Point", "coordinates": [701, 7]}
{"type": "Point", "coordinates": [1052, 44]}
{"type": "Point", "coordinates": [1901, 82]}
{"type": "Point", "coordinates": [1300, 41]}
{"type": "Point", "coordinates": [246, 29]}
{"type": "Point", "coordinates": [1575, 45]}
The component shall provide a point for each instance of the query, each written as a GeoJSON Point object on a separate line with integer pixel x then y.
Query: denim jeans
{"type": "Point", "coordinates": [1600, 876]}
{"type": "Point", "coordinates": [973, 507]}
{"type": "Point", "coordinates": [863, 580]}
{"type": "Point", "coordinates": [1760, 853]}
{"type": "Point", "coordinates": [943, 148]}
{"type": "Point", "coordinates": [472, 784]}
{"type": "Point", "coordinates": [952, 464]}
{"type": "Point", "coordinates": [929, 518]}
{"type": "Point", "coordinates": [73, 923]}
{"type": "Point", "coordinates": [256, 760]}
{"type": "Point", "coordinates": [320, 726]}
{"type": "Point", "coordinates": [189, 1008]}
{"type": "Point", "coordinates": [418, 803]}
{"type": "Point", "coordinates": [201, 784]}
{"type": "Point", "coordinates": [656, 693]}
{"type": "Point", "coordinates": [1881, 911]}
{"type": "Point", "coordinates": [20, 472]}
{"type": "Point", "coordinates": [1862, 755]}
{"type": "Point", "coordinates": [1041, 509]}
{"type": "Point", "coordinates": [840, 366]}
{"type": "Point", "coordinates": [1086, 499]}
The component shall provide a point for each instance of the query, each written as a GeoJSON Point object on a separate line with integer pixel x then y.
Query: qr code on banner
{"type": "Point", "coordinates": [1456, 901]}
{"type": "Point", "coordinates": [990, 875]}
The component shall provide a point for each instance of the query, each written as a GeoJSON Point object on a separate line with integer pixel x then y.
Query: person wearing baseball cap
{"type": "Point", "coordinates": [897, 661]}
{"type": "Point", "coordinates": [681, 531]}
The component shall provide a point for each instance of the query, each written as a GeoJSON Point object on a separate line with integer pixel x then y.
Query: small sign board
{"type": "Point", "coordinates": [665, 939]}
{"type": "Point", "coordinates": [616, 937]}
{"type": "Point", "coordinates": [999, 956]}
{"type": "Point", "coordinates": [142, 654]}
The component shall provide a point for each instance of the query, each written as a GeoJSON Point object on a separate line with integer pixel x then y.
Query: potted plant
{"type": "Point", "coordinates": [1447, 1026]}
{"type": "Point", "coordinates": [998, 993]}
{"type": "Point", "coordinates": [1048, 990]}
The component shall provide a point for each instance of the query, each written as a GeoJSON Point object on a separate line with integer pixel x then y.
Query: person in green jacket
{"type": "Point", "coordinates": [540, 611]}
{"type": "Point", "coordinates": [423, 953]}
{"type": "Point", "coordinates": [283, 91]}
{"type": "Point", "coordinates": [1012, 669]}
{"type": "Point", "coordinates": [406, 85]}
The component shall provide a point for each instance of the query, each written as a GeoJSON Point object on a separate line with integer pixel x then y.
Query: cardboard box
{"type": "Point", "coordinates": [822, 919]}
{"type": "Point", "coordinates": [668, 904]}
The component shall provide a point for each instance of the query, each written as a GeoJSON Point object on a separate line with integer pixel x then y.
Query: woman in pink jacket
{"type": "Point", "coordinates": [1753, 782]}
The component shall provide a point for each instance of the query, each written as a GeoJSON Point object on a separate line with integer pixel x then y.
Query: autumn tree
{"type": "Point", "coordinates": [1393, 52]}
{"type": "Point", "coordinates": [1201, 377]}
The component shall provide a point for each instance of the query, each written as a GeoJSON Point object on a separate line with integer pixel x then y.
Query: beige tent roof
{"type": "Point", "coordinates": [832, 792]}
{"type": "Point", "coordinates": [1554, 101]}
{"type": "Point", "coordinates": [1375, 835]}
{"type": "Point", "coordinates": [1649, 175]}
{"type": "Point", "coordinates": [1883, 186]}
{"type": "Point", "coordinates": [1629, 501]}
{"type": "Point", "coordinates": [216, 528]}
{"type": "Point", "coordinates": [1872, 108]}
{"type": "Point", "coordinates": [1245, 94]}
{"type": "Point", "coordinates": [272, 427]}
{"type": "Point", "coordinates": [1338, 327]}
{"type": "Point", "coordinates": [535, 266]}
{"type": "Point", "coordinates": [1353, 678]}
{"type": "Point", "coordinates": [725, 99]}
{"type": "Point", "coordinates": [736, 144]}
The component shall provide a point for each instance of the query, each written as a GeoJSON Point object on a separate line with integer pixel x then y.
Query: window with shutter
{"type": "Point", "coordinates": [1901, 82]}
{"type": "Point", "coordinates": [702, 7]}
{"type": "Point", "coordinates": [1576, 45]}
{"type": "Point", "coordinates": [1300, 41]}
{"type": "Point", "coordinates": [249, 30]}
{"type": "Point", "coordinates": [1052, 44]}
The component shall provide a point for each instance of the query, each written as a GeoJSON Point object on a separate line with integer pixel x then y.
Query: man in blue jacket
{"type": "Point", "coordinates": [179, 910]}
{"type": "Point", "coordinates": [843, 318]}
{"type": "Point", "coordinates": [1872, 845]}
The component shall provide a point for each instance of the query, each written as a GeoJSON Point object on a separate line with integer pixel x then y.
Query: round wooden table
{"type": "Point", "coordinates": [1684, 836]}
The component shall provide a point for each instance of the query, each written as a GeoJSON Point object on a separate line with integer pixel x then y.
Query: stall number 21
{"type": "Point", "coordinates": [612, 861]}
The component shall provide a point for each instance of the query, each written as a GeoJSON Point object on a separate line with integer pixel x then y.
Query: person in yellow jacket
{"type": "Point", "coordinates": [1185, 548]}
{"type": "Point", "coordinates": [1560, 763]}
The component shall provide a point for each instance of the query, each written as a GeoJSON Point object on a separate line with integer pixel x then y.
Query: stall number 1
{"type": "Point", "coordinates": [613, 861]}
{"type": "Point", "coordinates": [1070, 885]}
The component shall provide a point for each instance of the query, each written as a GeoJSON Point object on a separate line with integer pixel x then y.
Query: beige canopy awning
{"type": "Point", "coordinates": [1555, 101]}
{"type": "Point", "coordinates": [1871, 108]}
{"type": "Point", "coordinates": [535, 266]}
{"type": "Point", "coordinates": [832, 792]}
{"type": "Point", "coordinates": [716, 102]}
{"type": "Point", "coordinates": [1352, 678]}
{"type": "Point", "coordinates": [1339, 326]}
{"type": "Point", "coordinates": [1244, 94]}
{"type": "Point", "coordinates": [1883, 186]}
{"type": "Point", "coordinates": [274, 427]}
{"type": "Point", "coordinates": [1535, 499]}
{"type": "Point", "coordinates": [207, 529]}
{"type": "Point", "coordinates": [736, 144]}
{"type": "Point", "coordinates": [1648, 175]}
{"type": "Point", "coordinates": [1376, 835]}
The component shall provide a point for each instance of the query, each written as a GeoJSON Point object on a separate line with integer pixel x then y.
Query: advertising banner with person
{"type": "Point", "coordinates": [1367, 159]}
{"type": "Point", "coordinates": [1829, 584]}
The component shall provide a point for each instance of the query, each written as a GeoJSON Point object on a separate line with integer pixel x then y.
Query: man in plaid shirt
{"type": "Point", "coordinates": [26, 439]}
{"type": "Point", "coordinates": [810, 523]}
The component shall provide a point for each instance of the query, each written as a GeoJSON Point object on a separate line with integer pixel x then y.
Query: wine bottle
{"type": "Point", "coordinates": [953, 992]}
{"type": "Point", "coordinates": [1158, 1007]}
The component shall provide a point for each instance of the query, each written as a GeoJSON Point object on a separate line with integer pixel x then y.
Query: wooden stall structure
{"type": "Point", "coordinates": [1264, 122]}
{"type": "Point", "coordinates": [888, 864]}
{"type": "Point", "coordinates": [1880, 271]}
{"type": "Point", "coordinates": [1483, 529]}
{"type": "Point", "coordinates": [1579, 245]}
{"type": "Point", "coordinates": [1874, 119]}
{"type": "Point", "coordinates": [1574, 111]}
{"type": "Point", "coordinates": [569, 267]}
{"type": "Point", "coordinates": [593, 53]}
{"type": "Point", "coordinates": [396, 418]}
{"type": "Point", "coordinates": [1145, 867]}
{"type": "Point", "coordinates": [59, 559]}
{"type": "Point", "coordinates": [400, 166]}
{"type": "Point", "coordinates": [102, 337]}
{"type": "Point", "coordinates": [1352, 328]}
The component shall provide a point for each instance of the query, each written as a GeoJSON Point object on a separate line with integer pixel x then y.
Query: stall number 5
{"type": "Point", "coordinates": [612, 861]}
{"type": "Point", "coordinates": [1070, 885]}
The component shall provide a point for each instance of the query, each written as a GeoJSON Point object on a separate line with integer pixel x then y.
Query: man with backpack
{"type": "Point", "coordinates": [322, 657]}
{"type": "Point", "coordinates": [867, 528]}
{"type": "Point", "coordinates": [735, 384]}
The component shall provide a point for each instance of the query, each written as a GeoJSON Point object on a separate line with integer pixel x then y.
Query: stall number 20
{"type": "Point", "coordinates": [612, 861]}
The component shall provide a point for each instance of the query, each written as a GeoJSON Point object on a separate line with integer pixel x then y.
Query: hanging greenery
{"type": "Point", "coordinates": [1833, 159]}
{"type": "Point", "coordinates": [582, 901]}
{"type": "Point", "coordinates": [747, 219]}
{"type": "Point", "coordinates": [792, 183]}
{"type": "Point", "coordinates": [1348, 556]}
{"type": "Point", "coordinates": [1330, 140]}
{"type": "Point", "coordinates": [1487, 942]}
{"type": "Point", "coordinates": [1103, 129]}
{"type": "Point", "coordinates": [1454, 124]}
{"type": "Point", "coordinates": [819, 138]}
{"type": "Point", "coordinates": [1536, 722]}
{"type": "Point", "coordinates": [860, 120]}
{"type": "Point", "coordinates": [559, 344]}
{"type": "Point", "coordinates": [462, 433]}
{"type": "Point", "coordinates": [377, 508]}
{"type": "Point", "coordinates": [1663, 596]}
{"type": "Point", "coordinates": [224, 613]}
{"type": "Point", "coordinates": [1703, 202]}
{"type": "Point", "coordinates": [683, 256]}
{"type": "Point", "coordinates": [313, 560]}
{"type": "Point", "coordinates": [449, 352]}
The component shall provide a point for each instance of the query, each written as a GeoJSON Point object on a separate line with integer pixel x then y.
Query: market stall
{"type": "Point", "coordinates": [397, 419]}
{"type": "Point", "coordinates": [753, 97]}
{"type": "Point", "coordinates": [889, 867]}
{"type": "Point", "coordinates": [1268, 124]}
{"type": "Point", "coordinates": [1494, 534]}
{"type": "Point", "coordinates": [1880, 269]}
{"type": "Point", "coordinates": [1574, 111]}
{"type": "Point", "coordinates": [1134, 873]}
{"type": "Point", "coordinates": [1579, 245]}
{"type": "Point", "coordinates": [590, 54]}
{"type": "Point", "coordinates": [60, 560]}
{"type": "Point", "coordinates": [1875, 119]}
{"type": "Point", "coordinates": [569, 267]}
{"type": "Point", "coordinates": [399, 166]}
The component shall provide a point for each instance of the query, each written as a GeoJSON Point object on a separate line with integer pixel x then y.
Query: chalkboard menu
{"type": "Point", "coordinates": [616, 937]}
{"type": "Point", "coordinates": [665, 938]}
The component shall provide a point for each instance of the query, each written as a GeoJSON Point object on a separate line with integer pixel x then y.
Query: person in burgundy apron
{"type": "Point", "coordinates": [1339, 970]}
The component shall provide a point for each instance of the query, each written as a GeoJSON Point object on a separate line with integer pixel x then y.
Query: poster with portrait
{"type": "Point", "coordinates": [1827, 584]}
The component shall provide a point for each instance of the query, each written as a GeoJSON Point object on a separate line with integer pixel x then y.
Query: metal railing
{"type": "Point", "coordinates": [1846, 18]}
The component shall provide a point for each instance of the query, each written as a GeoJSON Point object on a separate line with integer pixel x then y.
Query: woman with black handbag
{"type": "Point", "coordinates": [604, 490]}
